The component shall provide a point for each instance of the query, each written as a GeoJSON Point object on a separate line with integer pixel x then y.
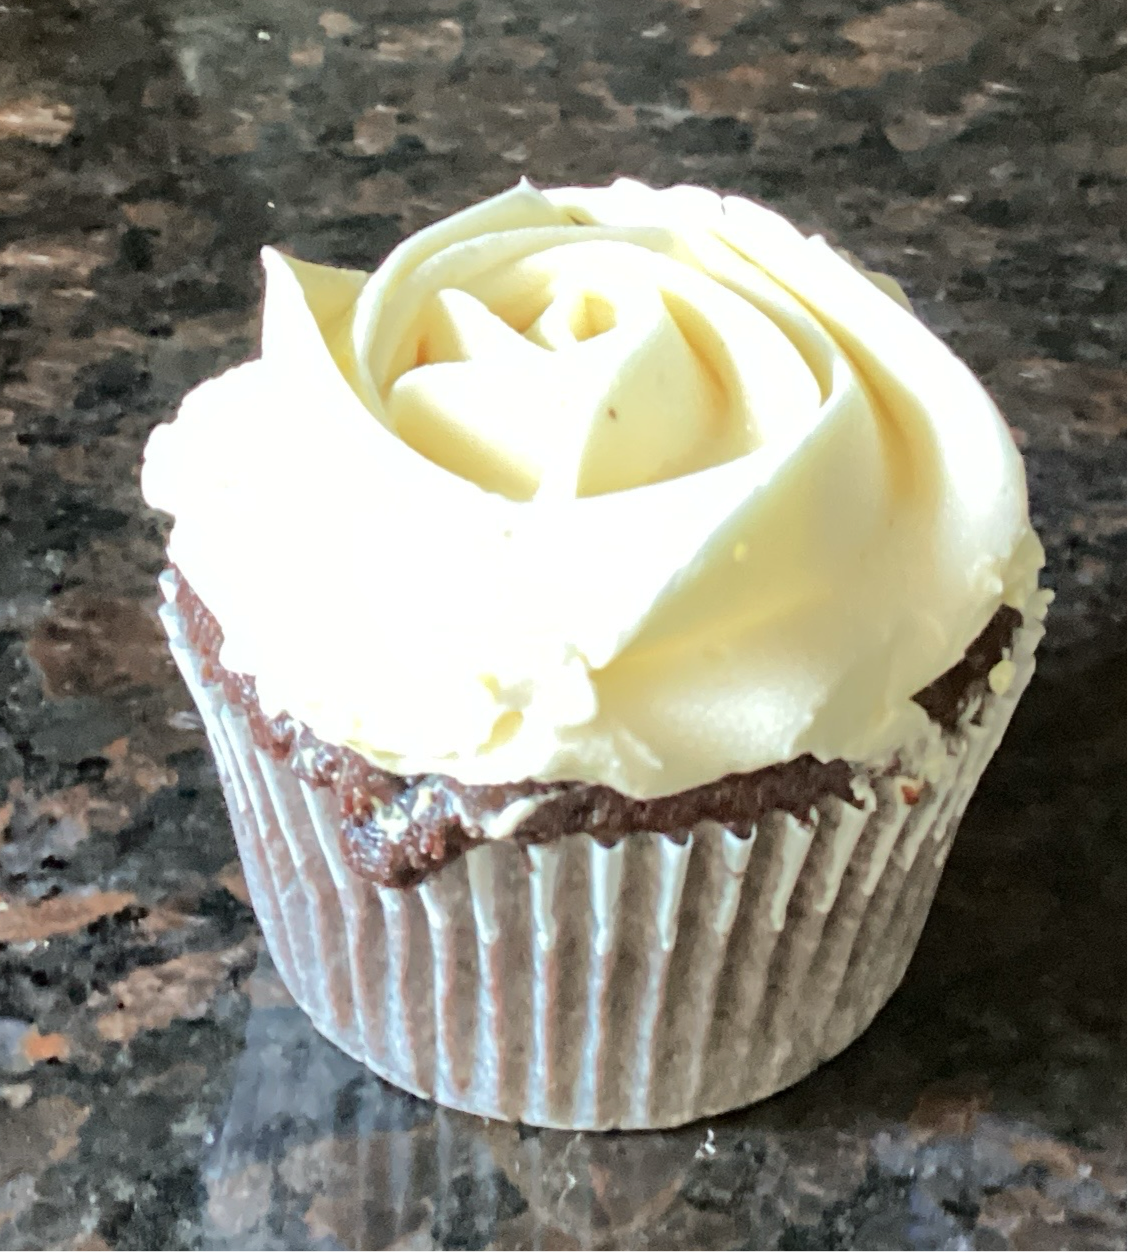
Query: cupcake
{"type": "Point", "coordinates": [601, 614]}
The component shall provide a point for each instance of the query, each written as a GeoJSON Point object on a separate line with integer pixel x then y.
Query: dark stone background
{"type": "Point", "coordinates": [156, 1087]}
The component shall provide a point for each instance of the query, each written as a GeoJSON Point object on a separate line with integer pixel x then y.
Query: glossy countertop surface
{"type": "Point", "coordinates": [157, 1087]}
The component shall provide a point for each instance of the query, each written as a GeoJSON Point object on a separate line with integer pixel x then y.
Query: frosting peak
{"type": "Point", "coordinates": [593, 365]}
{"type": "Point", "coordinates": [631, 486]}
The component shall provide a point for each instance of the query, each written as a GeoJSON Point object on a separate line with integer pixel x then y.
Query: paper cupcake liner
{"type": "Point", "coordinates": [579, 986]}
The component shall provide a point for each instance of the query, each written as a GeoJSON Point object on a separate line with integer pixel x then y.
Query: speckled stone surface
{"type": "Point", "coordinates": [157, 1089]}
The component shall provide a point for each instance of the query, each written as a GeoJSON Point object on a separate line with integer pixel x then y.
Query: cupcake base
{"type": "Point", "coordinates": [580, 986]}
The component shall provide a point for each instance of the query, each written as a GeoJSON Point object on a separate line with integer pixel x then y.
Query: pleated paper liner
{"type": "Point", "coordinates": [644, 985]}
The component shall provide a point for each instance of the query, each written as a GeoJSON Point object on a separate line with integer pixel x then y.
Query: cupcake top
{"type": "Point", "coordinates": [632, 487]}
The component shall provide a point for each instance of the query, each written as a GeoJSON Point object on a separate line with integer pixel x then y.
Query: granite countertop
{"type": "Point", "coordinates": [157, 1087]}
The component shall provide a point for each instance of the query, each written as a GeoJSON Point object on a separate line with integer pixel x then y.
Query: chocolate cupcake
{"type": "Point", "coordinates": [601, 615]}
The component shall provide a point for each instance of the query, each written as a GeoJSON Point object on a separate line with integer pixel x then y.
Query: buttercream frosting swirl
{"type": "Point", "coordinates": [629, 486]}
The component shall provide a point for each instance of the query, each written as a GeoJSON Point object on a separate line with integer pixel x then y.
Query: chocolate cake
{"type": "Point", "coordinates": [397, 830]}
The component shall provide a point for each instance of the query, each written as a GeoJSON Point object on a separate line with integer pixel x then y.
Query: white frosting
{"type": "Point", "coordinates": [636, 487]}
{"type": "Point", "coordinates": [1001, 676]}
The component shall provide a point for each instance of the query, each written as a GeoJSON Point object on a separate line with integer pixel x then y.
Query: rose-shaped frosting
{"type": "Point", "coordinates": [629, 486]}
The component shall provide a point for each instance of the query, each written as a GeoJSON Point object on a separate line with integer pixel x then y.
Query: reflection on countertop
{"type": "Point", "coordinates": [157, 1088]}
